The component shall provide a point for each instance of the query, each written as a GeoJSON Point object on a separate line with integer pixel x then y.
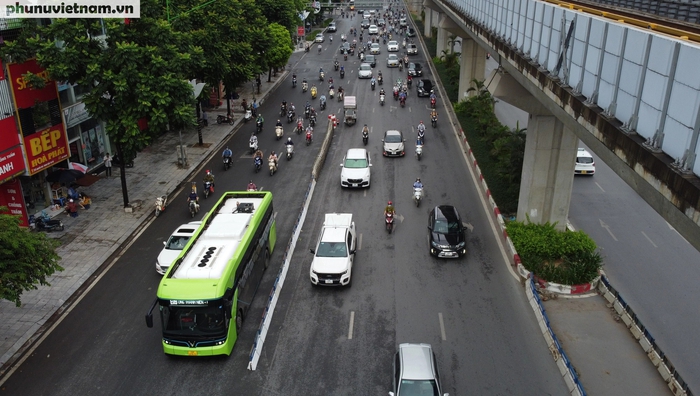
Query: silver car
{"type": "Point", "coordinates": [416, 371]}
{"type": "Point", "coordinates": [412, 49]}
{"type": "Point", "coordinates": [365, 71]}
{"type": "Point", "coordinates": [392, 46]}
{"type": "Point", "coordinates": [392, 61]}
{"type": "Point", "coordinates": [393, 144]}
{"type": "Point", "coordinates": [374, 49]}
{"type": "Point", "coordinates": [320, 38]}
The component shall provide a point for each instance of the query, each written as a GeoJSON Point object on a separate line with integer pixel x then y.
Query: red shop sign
{"type": "Point", "coordinates": [11, 197]}
{"type": "Point", "coordinates": [26, 96]}
{"type": "Point", "coordinates": [11, 164]}
{"type": "Point", "coordinates": [9, 137]}
{"type": "Point", "coordinates": [46, 148]}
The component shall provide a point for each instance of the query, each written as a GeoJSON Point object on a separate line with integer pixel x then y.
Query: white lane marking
{"type": "Point", "coordinates": [601, 188]}
{"type": "Point", "coordinates": [649, 239]}
{"type": "Point", "coordinates": [409, 109]}
{"type": "Point", "coordinates": [359, 242]}
{"type": "Point", "coordinates": [442, 326]}
{"type": "Point", "coordinates": [365, 193]}
{"type": "Point", "coordinates": [607, 227]}
{"type": "Point", "coordinates": [352, 323]}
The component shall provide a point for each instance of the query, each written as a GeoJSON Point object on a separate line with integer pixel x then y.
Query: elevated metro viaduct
{"type": "Point", "coordinates": [560, 114]}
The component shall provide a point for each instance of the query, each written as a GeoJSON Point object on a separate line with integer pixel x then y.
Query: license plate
{"type": "Point", "coordinates": [354, 184]}
{"type": "Point", "coordinates": [329, 281]}
{"type": "Point", "coordinates": [583, 172]}
{"type": "Point", "coordinates": [191, 353]}
{"type": "Point", "coordinates": [448, 254]}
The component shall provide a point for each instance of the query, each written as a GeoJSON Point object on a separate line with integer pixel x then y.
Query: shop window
{"type": "Point", "coordinates": [66, 97]}
{"type": "Point", "coordinates": [73, 133]}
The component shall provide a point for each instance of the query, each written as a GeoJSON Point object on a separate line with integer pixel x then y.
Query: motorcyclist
{"type": "Point", "coordinates": [330, 81]}
{"type": "Point", "coordinates": [260, 120]}
{"type": "Point", "coordinates": [323, 99]}
{"type": "Point", "coordinates": [209, 177]}
{"type": "Point", "coordinates": [257, 159]}
{"type": "Point", "coordinates": [389, 209]}
{"type": "Point", "coordinates": [228, 153]}
{"type": "Point", "coordinates": [310, 131]}
{"type": "Point", "coordinates": [273, 157]}
{"type": "Point", "coordinates": [294, 109]}
{"type": "Point", "coordinates": [373, 81]}
{"type": "Point", "coordinates": [432, 95]}
{"type": "Point", "coordinates": [304, 84]}
{"type": "Point", "coordinates": [342, 69]}
{"type": "Point", "coordinates": [279, 123]}
{"type": "Point", "coordinates": [253, 142]}
{"type": "Point", "coordinates": [402, 96]}
{"type": "Point", "coordinates": [289, 142]}
{"type": "Point", "coordinates": [252, 186]}
{"type": "Point", "coordinates": [433, 113]}
{"type": "Point", "coordinates": [365, 130]}
{"type": "Point", "coordinates": [193, 197]}
{"type": "Point", "coordinates": [381, 92]}
{"type": "Point", "coordinates": [418, 184]}
{"type": "Point", "coordinates": [421, 127]}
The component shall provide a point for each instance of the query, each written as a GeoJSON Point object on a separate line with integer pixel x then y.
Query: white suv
{"type": "Point", "coordinates": [355, 168]}
{"type": "Point", "coordinates": [335, 251]}
{"type": "Point", "coordinates": [584, 163]}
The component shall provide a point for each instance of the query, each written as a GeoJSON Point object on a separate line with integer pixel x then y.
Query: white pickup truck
{"type": "Point", "coordinates": [335, 251]}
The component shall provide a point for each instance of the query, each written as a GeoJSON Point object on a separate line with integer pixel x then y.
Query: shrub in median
{"type": "Point", "coordinates": [565, 257]}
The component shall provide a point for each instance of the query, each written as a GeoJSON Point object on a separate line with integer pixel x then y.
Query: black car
{"type": "Point", "coordinates": [371, 59]}
{"type": "Point", "coordinates": [411, 32]}
{"type": "Point", "coordinates": [447, 233]}
{"type": "Point", "coordinates": [424, 87]}
{"type": "Point", "coordinates": [348, 47]}
{"type": "Point", "coordinates": [415, 69]}
{"type": "Point", "coordinates": [365, 24]}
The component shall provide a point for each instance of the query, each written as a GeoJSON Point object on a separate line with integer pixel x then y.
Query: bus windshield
{"type": "Point", "coordinates": [205, 321]}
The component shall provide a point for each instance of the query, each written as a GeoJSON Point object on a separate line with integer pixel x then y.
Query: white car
{"type": "Point", "coordinates": [174, 245]}
{"type": "Point", "coordinates": [335, 251]}
{"type": "Point", "coordinates": [403, 22]}
{"type": "Point", "coordinates": [355, 168]}
{"type": "Point", "coordinates": [320, 38]}
{"type": "Point", "coordinates": [373, 29]}
{"type": "Point", "coordinates": [332, 27]}
{"type": "Point", "coordinates": [392, 61]}
{"type": "Point", "coordinates": [392, 46]}
{"type": "Point", "coordinates": [374, 49]}
{"type": "Point", "coordinates": [584, 163]}
{"type": "Point", "coordinates": [393, 144]}
{"type": "Point", "coordinates": [411, 49]}
{"type": "Point", "coordinates": [365, 71]}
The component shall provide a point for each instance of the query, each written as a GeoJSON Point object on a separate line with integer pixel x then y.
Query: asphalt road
{"type": "Point", "coordinates": [472, 310]}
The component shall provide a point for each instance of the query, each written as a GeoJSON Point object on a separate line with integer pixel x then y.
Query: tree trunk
{"type": "Point", "coordinates": [122, 174]}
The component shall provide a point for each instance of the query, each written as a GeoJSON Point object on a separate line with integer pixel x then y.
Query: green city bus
{"type": "Point", "coordinates": [216, 276]}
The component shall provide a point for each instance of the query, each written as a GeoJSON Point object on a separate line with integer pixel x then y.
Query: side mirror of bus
{"type": "Point", "coordinates": [149, 319]}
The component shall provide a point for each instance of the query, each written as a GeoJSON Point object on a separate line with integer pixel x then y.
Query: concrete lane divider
{"type": "Point", "coordinates": [273, 296]}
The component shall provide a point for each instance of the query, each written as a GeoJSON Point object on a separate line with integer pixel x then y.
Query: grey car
{"type": "Point", "coordinates": [416, 371]}
{"type": "Point", "coordinates": [393, 144]}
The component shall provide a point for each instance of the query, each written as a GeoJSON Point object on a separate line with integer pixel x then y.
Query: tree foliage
{"type": "Point", "coordinates": [26, 258]}
{"type": "Point", "coordinates": [281, 49]}
{"type": "Point", "coordinates": [284, 12]}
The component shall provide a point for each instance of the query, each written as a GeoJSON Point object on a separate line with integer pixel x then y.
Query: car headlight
{"type": "Point", "coordinates": [434, 244]}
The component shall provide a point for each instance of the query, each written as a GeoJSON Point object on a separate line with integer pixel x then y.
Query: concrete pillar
{"type": "Point", "coordinates": [443, 37]}
{"type": "Point", "coordinates": [473, 66]}
{"type": "Point", "coordinates": [427, 31]}
{"type": "Point", "coordinates": [548, 172]}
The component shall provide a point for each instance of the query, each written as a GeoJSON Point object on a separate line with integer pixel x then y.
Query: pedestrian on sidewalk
{"type": "Point", "coordinates": [84, 201]}
{"type": "Point", "coordinates": [244, 105]}
{"type": "Point", "coordinates": [108, 165]}
{"type": "Point", "coordinates": [258, 82]}
{"type": "Point", "coordinates": [255, 107]}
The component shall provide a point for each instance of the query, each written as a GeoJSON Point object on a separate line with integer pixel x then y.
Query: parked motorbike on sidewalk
{"type": "Point", "coordinates": [44, 223]}
{"type": "Point", "coordinates": [160, 204]}
{"type": "Point", "coordinates": [222, 119]}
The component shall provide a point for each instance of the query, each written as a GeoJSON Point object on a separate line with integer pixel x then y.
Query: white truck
{"type": "Point", "coordinates": [335, 251]}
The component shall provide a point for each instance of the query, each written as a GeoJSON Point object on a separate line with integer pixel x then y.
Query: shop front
{"type": "Point", "coordinates": [87, 140]}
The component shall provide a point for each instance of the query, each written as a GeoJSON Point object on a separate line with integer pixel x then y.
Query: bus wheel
{"type": "Point", "coordinates": [239, 321]}
{"type": "Point", "coordinates": [267, 258]}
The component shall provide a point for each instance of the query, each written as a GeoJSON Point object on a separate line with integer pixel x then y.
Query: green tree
{"type": "Point", "coordinates": [284, 12]}
{"type": "Point", "coordinates": [281, 49]}
{"type": "Point", "coordinates": [26, 258]}
{"type": "Point", "coordinates": [138, 71]}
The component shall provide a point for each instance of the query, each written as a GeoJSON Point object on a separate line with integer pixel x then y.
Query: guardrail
{"type": "Point", "coordinates": [658, 358]}
{"type": "Point", "coordinates": [261, 334]}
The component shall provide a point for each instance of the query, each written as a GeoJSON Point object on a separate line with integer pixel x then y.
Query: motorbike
{"type": "Point", "coordinates": [290, 116]}
{"type": "Point", "coordinates": [193, 207]}
{"type": "Point", "coordinates": [300, 127]}
{"type": "Point", "coordinates": [273, 166]}
{"type": "Point", "coordinates": [304, 86]}
{"type": "Point", "coordinates": [44, 223]}
{"type": "Point", "coordinates": [227, 162]}
{"type": "Point", "coordinates": [307, 112]}
{"type": "Point", "coordinates": [248, 116]}
{"type": "Point", "coordinates": [380, 80]}
{"type": "Point", "coordinates": [279, 132]}
{"type": "Point", "coordinates": [160, 204]}
{"type": "Point", "coordinates": [381, 99]}
{"type": "Point", "coordinates": [309, 137]}
{"type": "Point", "coordinates": [313, 92]}
{"type": "Point", "coordinates": [336, 65]}
{"type": "Point", "coordinates": [373, 83]}
{"type": "Point", "coordinates": [396, 93]}
{"type": "Point", "coordinates": [419, 151]}
{"type": "Point", "coordinates": [389, 220]}
{"type": "Point", "coordinates": [306, 49]}
{"type": "Point", "coordinates": [294, 82]}
{"type": "Point", "coordinates": [365, 137]}
{"type": "Point", "coordinates": [290, 151]}
{"type": "Point", "coordinates": [342, 73]}
{"type": "Point", "coordinates": [283, 110]}
{"type": "Point", "coordinates": [400, 66]}
{"type": "Point", "coordinates": [433, 120]}
{"type": "Point", "coordinates": [410, 80]}
{"type": "Point", "coordinates": [417, 195]}
{"type": "Point", "coordinates": [258, 126]}
{"type": "Point", "coordinates": [432, 102]}
{"type": "Point", "coordinates": [340, 96]}
{"type": "Point", "coordinates": [253, 146]}
{"type": "Point", "coordinates": [331, 93]}
{"type": "Point", "coordinates": [402, 100]}
{"type": "Point", "coordinates": [323, 105]}
{"type": "Point", "coordinates": [116, 160]}
{"type": "Point", "coordinates": [345, 57]}
{"type": "Point", "coordinates": [312, 120]}
{"type": "Point", "coordinates": [321, 75]}
{"type": "Point", "coordinates": [221, 119]}
{"type": "Point", "coordinates": [208, 188]}
{"type": "Point", "coordinates": [257, 162]}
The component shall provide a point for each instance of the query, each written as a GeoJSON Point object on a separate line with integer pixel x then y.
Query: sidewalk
{"type": "Point", "coordinates": [91, 238]}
